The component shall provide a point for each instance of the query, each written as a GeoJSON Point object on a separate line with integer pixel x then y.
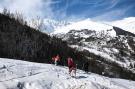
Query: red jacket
{"type": "Point", "coordinates": [70, 62]}
{"type": "Point", "coordinates": [57, 58]}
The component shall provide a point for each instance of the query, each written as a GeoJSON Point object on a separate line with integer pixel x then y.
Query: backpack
{"type": "Point", "coordinates": [70, 62]}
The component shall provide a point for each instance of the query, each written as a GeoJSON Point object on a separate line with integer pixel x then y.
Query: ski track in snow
{"type": "Point", "coordinates": [15, 74]}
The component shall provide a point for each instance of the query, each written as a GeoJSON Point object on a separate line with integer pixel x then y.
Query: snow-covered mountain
{"type": "Point", "coordinates": [50, 25]}
{"type": "Point", "coordinates": [127, 24]}
{"type": "Point", "coordinates": [15, 74]}
{"type": "Point", "coordinates": [85, 24]}
{"type": "Point", "coordinates": [108, 45]}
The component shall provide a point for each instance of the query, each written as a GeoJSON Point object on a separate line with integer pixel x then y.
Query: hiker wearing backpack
{"type": "Point", "coordinates": [56, 59]}
{"type": "Point", "coordinates": [71, 66]}
{"type": "Point", "coordinates": [86, 66]}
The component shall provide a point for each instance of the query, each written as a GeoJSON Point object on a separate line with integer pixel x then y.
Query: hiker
{"type": "Point", "coordinates": [71, 66]}
{"type": "Point", "coordinates": [86, 66]}
{"type": "Point", "coordinates": [56, 59]}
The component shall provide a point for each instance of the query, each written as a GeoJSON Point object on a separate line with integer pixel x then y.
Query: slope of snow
{"type": "Point", "coordinates": [127, 24]}
{"type": "Point", "coordinates": [17, 74]}
{"type": "Point", "coordinates": [104, 55]}
{"type": "Point", "coordinates": [84, 24]}
{"type": "Point", "coordinates": [55, 27]}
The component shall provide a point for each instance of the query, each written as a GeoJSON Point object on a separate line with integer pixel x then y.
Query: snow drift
{"type": "Point", "coordinates": [17, 74]}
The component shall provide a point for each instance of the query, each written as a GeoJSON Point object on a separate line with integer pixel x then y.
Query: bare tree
{"type": "Point", "coordinates": [5, 11]}
{"type": "Point", "coordinates": [37, 23]}
{"type": "Point", "coordinates": [19, 17]}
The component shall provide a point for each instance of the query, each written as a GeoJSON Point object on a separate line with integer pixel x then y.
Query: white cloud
{"type": "Point", "coordinates": [43, 8]}
{"type": "Point", "coordinates": [30, 8]}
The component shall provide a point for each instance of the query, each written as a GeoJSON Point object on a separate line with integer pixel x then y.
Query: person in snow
{"type": "Point", "coordinates": [86, 66]}
{"type": "Point", "coordinates": [71, 66]}
{"type": "Point", "coordinates": [56, 59]}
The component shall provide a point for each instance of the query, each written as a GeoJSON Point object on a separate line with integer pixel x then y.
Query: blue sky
{"type": "Point", "coordinates": [105, 10]}
{"type": "Point", "coordinates": [95, 9]}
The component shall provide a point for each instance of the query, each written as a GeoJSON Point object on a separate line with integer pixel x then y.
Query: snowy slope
{"type": "Point", "coordinates": [50, 25]}
{"type": "Point", "coordinates": [100, 39]}
{"type": "Point", "coordinates": [84, 24]}
{"type": "Point", "coordinates": [127, 24]}
{"type": "Point", "coordinates": [15, 74]}
{"type": "Point", "coordinates": [103, 45]}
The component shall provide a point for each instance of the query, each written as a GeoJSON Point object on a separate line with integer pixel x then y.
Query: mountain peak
{"type": "Point", "coordinates": [127, 24]}
{"type": "Point", "coordinates": [84, 24]}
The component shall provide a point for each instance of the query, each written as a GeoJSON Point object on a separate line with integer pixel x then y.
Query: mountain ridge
{"type": "Point", "coordinates": [63, 24]}
{"type": "Point", "coordinates": [109, 47]}
{"type": "Point", "coordinates": [19, 41]}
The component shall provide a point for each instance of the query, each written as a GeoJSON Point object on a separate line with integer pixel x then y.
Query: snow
{"type": "Point", "coordinates": [84, 24]}
{"type": "Point", "coordinates": [16, 74]}
{"type": "Point", "coordinates": [115, 50]}
{"type": "Point", "coordinates": [127, 24]}
{"type": "Point", "coordinates": [103, 34]}
{"type": "Point", "coordinates": [105, 54]}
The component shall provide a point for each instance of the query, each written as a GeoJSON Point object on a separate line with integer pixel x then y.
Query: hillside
{"type": "Point", "coordinates": [19, 41]}
{"type": "Point", "coordinates": [17, 74]}
{"type": "Point", "coordinates": [108, 53]}
{"type": "Point", "coordinates": [110, 50]}
{"type": "Point", "coordinates": [127, 24]}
